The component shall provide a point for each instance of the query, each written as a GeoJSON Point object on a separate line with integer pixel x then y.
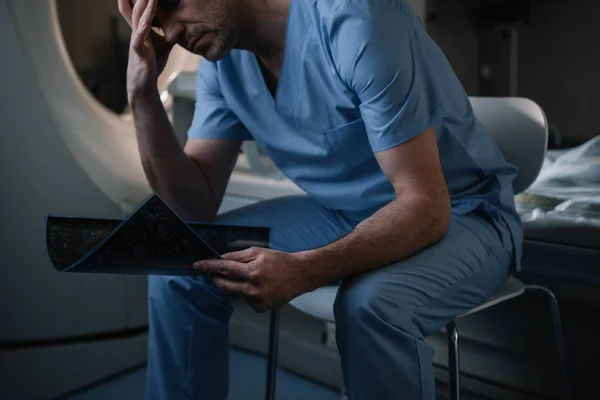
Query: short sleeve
{"type": "Point", "coordinates": [213, 119]}
{"type": "Point", "coordinates": [376, 46]}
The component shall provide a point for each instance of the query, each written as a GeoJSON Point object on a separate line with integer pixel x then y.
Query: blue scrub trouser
{"type": "Point", "coordinates": [382, 316]}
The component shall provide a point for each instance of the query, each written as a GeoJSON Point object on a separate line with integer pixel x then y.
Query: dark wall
{"type": "Point", "coordinates": [558, 63]}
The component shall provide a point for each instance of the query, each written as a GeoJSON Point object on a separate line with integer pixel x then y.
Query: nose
{"type": "Point", "coordinates": [173, 32]}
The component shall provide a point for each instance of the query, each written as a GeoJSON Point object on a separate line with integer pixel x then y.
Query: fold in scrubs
{"type": "Point", "coordinates": [359, 77]}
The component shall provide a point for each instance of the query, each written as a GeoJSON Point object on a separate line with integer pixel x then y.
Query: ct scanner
{"type": "Point", "coordinates": [61, 152]}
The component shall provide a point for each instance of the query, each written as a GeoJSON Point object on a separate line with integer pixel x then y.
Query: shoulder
{"type": "Point", "coordinates": [367, 35]}
{"type": "Point", "coordinates": [370, 20]}
{"type": "Point", "coordinates": [350, 25]}
{"type": "Point", "coordinates": [371, 13]}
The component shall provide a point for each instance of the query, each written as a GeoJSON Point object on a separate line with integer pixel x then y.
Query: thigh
{"type": "Point", "coordinates": [296, 223]}
{"type": "Point", "coordinates": [427, 290]}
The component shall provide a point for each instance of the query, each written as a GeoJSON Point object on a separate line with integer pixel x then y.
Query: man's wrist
{"type": "Point", "coordinates": [314, 268]}
{"type": "Point", "coordinates": [141, 99]}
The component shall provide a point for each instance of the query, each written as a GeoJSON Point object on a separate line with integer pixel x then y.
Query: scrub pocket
{"type": "Point", "coordinates": [349, 143]}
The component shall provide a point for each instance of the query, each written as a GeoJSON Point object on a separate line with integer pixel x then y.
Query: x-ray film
{"type": "Point", "coordinates": [152, 240]}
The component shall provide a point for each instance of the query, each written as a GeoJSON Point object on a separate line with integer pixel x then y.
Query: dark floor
{"type": "Point", "coordinates": [247, 374]}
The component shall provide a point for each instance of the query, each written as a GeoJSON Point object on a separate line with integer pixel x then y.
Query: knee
{"type": "Point", "coordinates": [365, 304]}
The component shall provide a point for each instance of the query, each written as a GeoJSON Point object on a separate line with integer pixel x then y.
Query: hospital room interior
{"type": "Point", "coordinates": [68, 148]}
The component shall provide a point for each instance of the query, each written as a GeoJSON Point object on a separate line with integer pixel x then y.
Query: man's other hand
{"type": "Point", "coordinates": [265, 278]}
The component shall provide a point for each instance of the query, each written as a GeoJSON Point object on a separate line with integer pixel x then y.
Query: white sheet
{"type": "Point", "coordinates": [567, 189]}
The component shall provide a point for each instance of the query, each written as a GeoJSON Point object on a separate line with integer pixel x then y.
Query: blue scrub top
{"type": "Point", "coordinates": [358, 77]}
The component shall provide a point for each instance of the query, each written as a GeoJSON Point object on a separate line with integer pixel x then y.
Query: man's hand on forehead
{"type": "Point", "coordinates": [154, 23]}
{"type": "Point", "coordinates": [149, 51]}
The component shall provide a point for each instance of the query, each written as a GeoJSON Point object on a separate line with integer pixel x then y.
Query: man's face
{"type": "Point", "coordinates": [204, 27]}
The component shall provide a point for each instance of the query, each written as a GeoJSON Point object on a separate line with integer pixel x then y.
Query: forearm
{"type": "Point", "coordinates": [397, 231]}
{"type": "Point", "coordinates": [170, 172]}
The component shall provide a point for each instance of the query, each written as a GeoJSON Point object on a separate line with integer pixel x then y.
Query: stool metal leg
{"type": "Point", "coordinates": [558, 335]}
{"type": "Point", "coordinates": [272, 355]}
{"type": "Point", "coordinates": [453, 365]}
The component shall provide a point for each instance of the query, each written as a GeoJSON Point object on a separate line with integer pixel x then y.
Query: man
{"type": "Point", "coordinates": [410, 203]}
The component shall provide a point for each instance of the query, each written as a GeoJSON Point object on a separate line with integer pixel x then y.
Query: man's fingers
{"type": "Point", "coordinates": [138, 41]}
{"type": "Point", "coordinates": [138, 11]}
{"type": "Point", "coordinates": [144, 29]}
{"type": "Point", "coordinates": [126, 10]}
{"type": "Point", "coordinates": [243, 255]}
{"type": "Point", "coordinates": [148, 15]}
{"type": "Point", "coordinates": [227, 268]}
{"type": "Point", "coordinates": [233, 287]}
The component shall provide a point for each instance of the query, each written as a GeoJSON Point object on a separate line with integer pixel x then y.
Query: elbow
{"type": "Point", "coordinates": [442, 224]}
{"type": "Point", "coordinates": [442, 218]}
{"type": "Point", "coordinates": [440, 214]}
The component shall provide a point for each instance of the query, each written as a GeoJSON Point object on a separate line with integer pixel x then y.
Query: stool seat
{"type": "Point", "coordinates": [511, 288]}
{"type": "Point", "coordinates": [318, 303]}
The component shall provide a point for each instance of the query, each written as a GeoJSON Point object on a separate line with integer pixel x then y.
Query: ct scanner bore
{"type": "Point", "coordinates": [61, 152]}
